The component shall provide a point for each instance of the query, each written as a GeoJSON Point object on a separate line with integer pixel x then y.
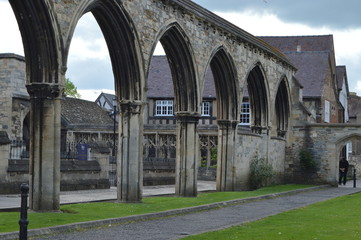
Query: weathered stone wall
{"type": "Point", "coordinates": [355, 160]}
{"type": "Point", "coordinates": [246, 148]}
{"type": "Point", "coordinates": [277, 158]}
{"type": "Point", "coordinates": [325, 142]}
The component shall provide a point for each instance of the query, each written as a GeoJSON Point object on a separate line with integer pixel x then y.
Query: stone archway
{"type": "Point", "coordinates": [225, 79]}
{"type": "Point", "coordinates": [129, 87]}
{"type": "Point", "coordinates": [181, 62]}
{"type": "Point", "coordinates": [41, 46]}
{"type": "Point", "coordinates": [282, 107]}
{"type": "Point", "coordinates": [258, 95]}
{"type": "Point", "coordinates": [130, 29]}
{"type": "Point", "coordinates": [355, 163]}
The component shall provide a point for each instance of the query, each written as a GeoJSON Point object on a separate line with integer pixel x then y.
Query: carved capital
{"type": "Point", "coordinates": [187, 117]}
{"type": "Point", "coordinates": [131, 106]}
{"type": "Point", "coordinates": [226, 124]}
{"type": "Point", "coordinates": [44, 91]}
{"type": "Point", "coordinates": [260, 130]}
{"type": "Point", "coordinates": [281, 133]}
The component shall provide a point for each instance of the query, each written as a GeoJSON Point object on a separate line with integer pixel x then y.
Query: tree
{"type": "Point", "coordinates": [70, 89]}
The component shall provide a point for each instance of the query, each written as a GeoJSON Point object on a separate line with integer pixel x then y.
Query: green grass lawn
{"type": "Point", "coordinates": [335, 219]}
{"type": "Point", "coordinates": [94, 211]}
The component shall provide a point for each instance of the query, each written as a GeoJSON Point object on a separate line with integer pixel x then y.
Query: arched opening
{"type": "Point", "coordinates": [226, 85]}
{"type": "Point", "coordinates": [258, 100]}
{"type": "Point", "coordinates": [44, 84]}
{"type": "Point", "coordinates": [89, 68]}
{"type": "Point", "coordinates": [177, 49]}
{"type": "Point", "coordinates": [208, 137]}
{"type": "Point", "coordinates": [159, 125]}
{"type": "Point", "coordinates": [282, 109]}
{"type": "Point", "coordinates": [88, 65]}
{"type": "Point", "coordinates": [348, 162]}
{"type": "Point", "coordinates": [40, 44]}
{"type": "Point", "coordinates": [175, 102]}
{"type": "Point", "coordinates": [226, 88]}
{"type": "Point", "coordinates": [127, 104]}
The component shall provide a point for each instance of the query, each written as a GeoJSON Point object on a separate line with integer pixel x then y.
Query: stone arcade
{"type": "Point", "coordinates": [194, 40]}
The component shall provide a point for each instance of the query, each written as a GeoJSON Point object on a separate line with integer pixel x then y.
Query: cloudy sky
{"type": "Point", "coordinates": [89, 65]}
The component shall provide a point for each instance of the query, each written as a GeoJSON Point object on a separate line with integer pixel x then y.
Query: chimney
{"type": "Point", "coordinates": [299, 49]}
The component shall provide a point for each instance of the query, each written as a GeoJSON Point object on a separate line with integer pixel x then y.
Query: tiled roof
{"type": "Point", "coordinates": [301, 43]}
{"type": "Point", "coordinates": [312, 69]}
{"type": "Point", "coordinates": [310, 55]}
{"type": "Point", "coordinates": [160, 82]}
{"type": "Point", "coordinates": [109, 97]}
{"type": "Point", "coordinates": [85, 114]}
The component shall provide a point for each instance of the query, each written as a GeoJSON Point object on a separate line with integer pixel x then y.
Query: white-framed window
{"type": "Point", "coordinates": [327, 111]}
{"type": "Point", "coordinates": [245, 119]}
{"type": "Point", "coordinates": [206, 109]}
{"type": "Point", "coordinates": [164, 108]}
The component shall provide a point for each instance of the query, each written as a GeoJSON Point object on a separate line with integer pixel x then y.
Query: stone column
{"type": "Point", "coordinates": [44, 167]}
{"type": "Point", "coordinates": [266, 139]}
{"type": "Point", "coordinates": [226, 170]}
{"type": "Point", "coordinates": [130, 152]}
{"type": "Point", "coordinates": [187, 154]}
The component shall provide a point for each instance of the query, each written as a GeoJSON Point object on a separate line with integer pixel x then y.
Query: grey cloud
{"type": "Point", "coordinates": [337, 14]}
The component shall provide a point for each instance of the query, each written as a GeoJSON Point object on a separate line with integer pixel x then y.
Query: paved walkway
{"type": "Point", "coordinates": [179, 226]}
{"type": "Point", "coordinates": [170, 226]}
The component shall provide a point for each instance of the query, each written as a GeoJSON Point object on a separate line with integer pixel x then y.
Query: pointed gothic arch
{"type": "Point", "coordinates": [226, 84]}
{"type": "Point", "coordinates": [282, 107]}
{"type": "Point", "coordinates": [258, 96]}
{"type": "Point", "coordinates": [41, 46]}
{"type": "Point", "coordinates": [123, 46]}
{"type": "Point", "coordinates": [180, 58]}
{"type": "Point", "coordinates": [225, 79]}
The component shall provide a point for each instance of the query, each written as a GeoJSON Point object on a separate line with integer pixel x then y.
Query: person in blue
{"type": "Point", "coordinates": [343, 168]}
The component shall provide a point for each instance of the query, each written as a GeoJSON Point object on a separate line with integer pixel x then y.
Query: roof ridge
{"type": "Point", "coordinates": [294, 36]}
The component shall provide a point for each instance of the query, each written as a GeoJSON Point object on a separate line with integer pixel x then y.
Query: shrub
{"type": "Point", "coordinates": [307, 161]}
{"type": "Point", "coordinates": [261, 172]}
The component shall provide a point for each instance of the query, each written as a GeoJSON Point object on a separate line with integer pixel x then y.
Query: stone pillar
{"type": "Point", "coordinates": [187, 154]}
{"type": "Point", "coordinates": [130, 152]}
{"type": "Point", "coordinates": [44, 167]}
{"type": "Point", "coordinates": [226, 171]}
{"type": "Point", "coordinates": [266, 140]}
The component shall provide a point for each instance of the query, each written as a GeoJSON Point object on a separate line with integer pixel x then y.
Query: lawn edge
{"type": "Point", "coordinates": [144, 217]}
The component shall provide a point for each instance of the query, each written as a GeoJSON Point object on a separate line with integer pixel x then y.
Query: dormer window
{"type": "Point", "coordinates": [206, 109]}
{"type": "Point", "coordinates": [164, 108]}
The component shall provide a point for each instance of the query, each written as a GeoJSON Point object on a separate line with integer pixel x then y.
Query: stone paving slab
{"type": "Point", "coordinates": [166, 225]}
